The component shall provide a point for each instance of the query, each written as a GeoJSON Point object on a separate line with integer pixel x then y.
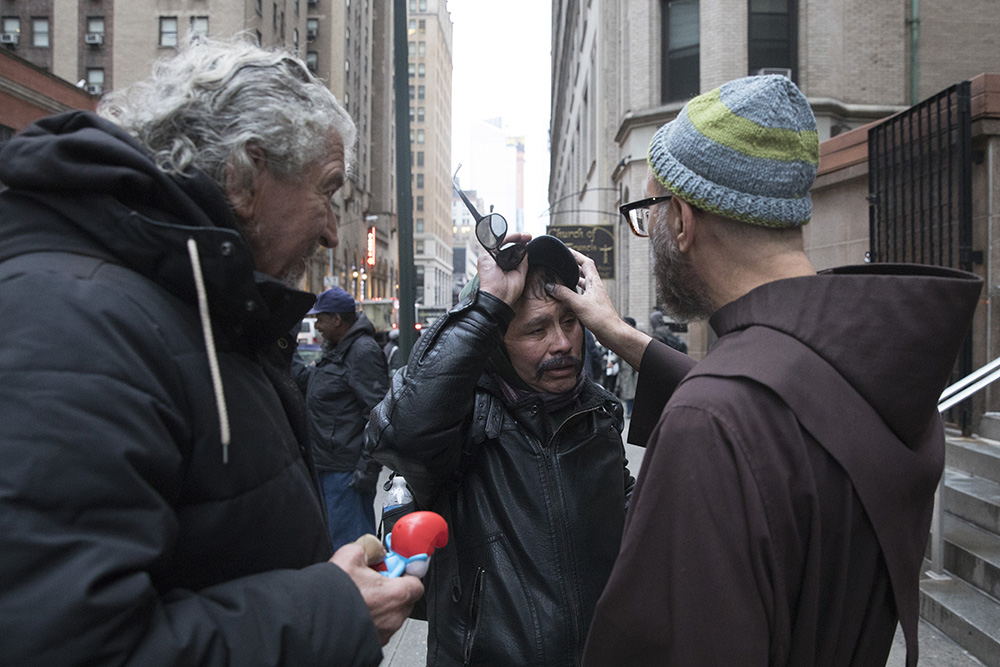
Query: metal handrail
{"type": "Point", "coordinates": [956, 393]}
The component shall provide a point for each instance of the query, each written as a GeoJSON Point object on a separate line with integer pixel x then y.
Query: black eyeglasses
{"type": "Point", "coordinates": [636, 214]}
{"type": "Point", "coordinates": [491, 230]}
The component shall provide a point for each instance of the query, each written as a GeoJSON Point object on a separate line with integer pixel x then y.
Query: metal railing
{"type": "Point", "coordinates": [953, 395]}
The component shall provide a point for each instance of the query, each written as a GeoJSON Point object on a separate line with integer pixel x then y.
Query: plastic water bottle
{"type": "Point", "coordinates": [398, 502]}
{"type": "Point", "coordinates": [399, 494]}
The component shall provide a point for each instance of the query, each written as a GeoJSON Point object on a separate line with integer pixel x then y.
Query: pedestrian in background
{"type": "Point", "coordinates": [393, 357]}
{"type": "Point", "coordinates": [341, 389]}
{"type": "Point", "coordinates": [786, 490]}
{"type": "Point", "coordinates": [156, 508]}
{"type": "Point", "coordinates": [662, 332]}
{"type": "Point", "coordinates": [611, 368]}
{"type": "Point", "coordinates": [627, 378]}
{"type": "Point", "coordinates": [496, 427]}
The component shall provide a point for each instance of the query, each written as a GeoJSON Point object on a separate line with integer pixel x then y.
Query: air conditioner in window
{"type": "Point", "coordinates": [8, 38]}
{"type": "Point", "coordinates": [95, 88]}
{"type": "Point", "coordinates": [782, 71]}
{"type": "Point", "coordinates": [94, 38]}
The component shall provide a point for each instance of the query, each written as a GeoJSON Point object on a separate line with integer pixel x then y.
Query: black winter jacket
{"type": "Point", "coordinates": [125, 538]}
{"type": "Point", "coordinates": [536, 514]}
{"type": "Point", "coordinates": [341, 390]}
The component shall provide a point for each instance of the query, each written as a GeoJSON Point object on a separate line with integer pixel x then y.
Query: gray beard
{"type": "Point", "coordinates": [679, 289]}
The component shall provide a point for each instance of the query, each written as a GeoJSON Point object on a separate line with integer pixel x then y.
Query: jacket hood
{"type": "Point", "coordinates": [361, 327]}
{"type": "Point", "coordinates": [892, 330]}
{"type": "Point", "coordinates": [112, 201]}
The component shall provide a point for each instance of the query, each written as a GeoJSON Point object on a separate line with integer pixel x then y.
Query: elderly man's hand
{"type": "Point", "coordinates": [504, 285]}
{"type": "Point", "coordinates": [389, 599]}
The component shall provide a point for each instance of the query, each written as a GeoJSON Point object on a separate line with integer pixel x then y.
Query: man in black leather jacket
{"type": "Point", "coordinates": [495, 426]}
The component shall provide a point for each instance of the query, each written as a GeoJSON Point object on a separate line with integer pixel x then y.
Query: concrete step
{"type": "Point", "coordinates": [967, 615]}
{"type": "Point", "coordinates": [972, 554]}
{"type": "Point", "coordinates": [975, 456]}
{"type": "Point", "coordinates": [972, 498]}
{"type": "Point", "coordinates": [989, 425]}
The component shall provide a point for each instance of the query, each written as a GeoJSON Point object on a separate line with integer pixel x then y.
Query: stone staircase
{"type": "Point", "coordinates": [966, 604]}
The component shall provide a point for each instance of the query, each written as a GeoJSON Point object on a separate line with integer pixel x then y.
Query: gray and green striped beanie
{"type": "Point", "coordinates": [746, 151]}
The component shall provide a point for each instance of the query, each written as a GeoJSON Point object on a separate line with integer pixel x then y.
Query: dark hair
{"type": "Point", "coordinates": [350, 317]}
{"type": "Point", "coordinates": [536, 278]}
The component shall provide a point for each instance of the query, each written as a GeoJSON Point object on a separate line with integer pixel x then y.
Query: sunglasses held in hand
{"type": "Point", "coordinates": [491, 230]}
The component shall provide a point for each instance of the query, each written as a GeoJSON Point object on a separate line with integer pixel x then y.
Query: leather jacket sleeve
{"type": "Point", "coordinates": [420, 427]}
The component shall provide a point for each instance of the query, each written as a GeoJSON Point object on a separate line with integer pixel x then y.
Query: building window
{"type": "Point", "coordinates": [420, 158]}
{"type": "Point", "coordinates": [95, 25]}
{"type": "Point", "coordinates": [312, 29]}
{"type": "Point", "coordinates": [412, 115]}
{"type": "Point", "coordinates": [259, 6]}
{"type": "Point", "coordinates": [420, 181]}
{"type": "Point", "coordinates": [312, 61]}
{"type": "Point", "coordinates": [420, 114]}
{"type": "Point", "coordinates": [413, 5]}
{"type": "Point", "coordinates": [419, 247]}
{"type": "Point", "coordinates": [11, 29]}
{"type": "Point", "coordinates": [347, 36]}
{"type": "Point", "coordinates": [680, 69]}
{"type": "Point", "coordinates": [420, 202]}
{"type": "Point", "coordinates": [40, 32]}
{"type": "Point", "coordinates": [772, 36]}
{"type": "Point", "coordinates": [413, 25]}
{"type": "Point", "coordinates": [422, 49]}
{"type": "Point", "coordinates": [412, 92]}
{"type": "Point", "coordinates": [199, 25]}
{"type": "Point", "coordinates": [423, 5]}
{"type": "Point", "coordinates": [168, 31]}
{"type": "Point", "coordinates": [95, 80]}
{"type": "Point", "coordinates": [419, 226]}
{"type": "Point", "coordinates": [423, 26]}
{"type": "Point", "coordinates": [411, 49]}
{"type": "Point", "coordinates": [420, 136]}
{"type": "Point", "coordinates": [421, 70]}
{"type": "Point", "coordinates": [412, 70]}
{"type": "Point", "coordinates": [420, 92]}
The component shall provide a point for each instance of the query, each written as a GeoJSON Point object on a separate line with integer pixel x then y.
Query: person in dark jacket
{"type": "Point", "coordinates": [662, 332]}
{"type": "Point", "coordinates": [156, 502]}
{"type": "Point", "coordinates": [787, 487]}
{"type": "Point", "coordinates": [495, 426]}
{"type": "Point", "coordinates": [393, 357]}
{"type": "Point", "coordinates": [341, 390]}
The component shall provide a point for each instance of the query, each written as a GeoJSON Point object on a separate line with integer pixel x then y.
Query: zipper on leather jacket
{"type": "Point", "coordinates": [474, 608]}
{"type": "Point", "coordinates": [567, 555]}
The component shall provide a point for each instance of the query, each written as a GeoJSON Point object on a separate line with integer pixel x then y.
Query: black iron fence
{"type": "Point", "coordinates": [920, 194]}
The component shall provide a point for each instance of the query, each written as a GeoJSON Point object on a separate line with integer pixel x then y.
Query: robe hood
{"type": "Point", "coordinates": [920, 313]}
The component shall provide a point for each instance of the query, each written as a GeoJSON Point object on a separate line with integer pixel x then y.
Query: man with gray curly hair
{"type": "Point", "coordinates": [157, 496]}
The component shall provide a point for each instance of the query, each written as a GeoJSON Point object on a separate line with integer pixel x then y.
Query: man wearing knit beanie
{"type": "Point", "coordinates": [783, 507]}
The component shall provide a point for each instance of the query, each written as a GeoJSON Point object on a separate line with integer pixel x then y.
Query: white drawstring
{"type": "Point", "coordinates": [213, 360]}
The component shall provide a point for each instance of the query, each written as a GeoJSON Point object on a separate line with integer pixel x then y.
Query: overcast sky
{"type": "Point", "coordinates": [502, 61]}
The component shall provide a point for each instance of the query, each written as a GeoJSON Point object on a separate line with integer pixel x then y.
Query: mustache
{"type": "Point", "coordinates": [561, 361]}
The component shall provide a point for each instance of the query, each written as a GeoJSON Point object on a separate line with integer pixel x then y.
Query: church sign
{"type": "Point", "coordinates": [595, 241]}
